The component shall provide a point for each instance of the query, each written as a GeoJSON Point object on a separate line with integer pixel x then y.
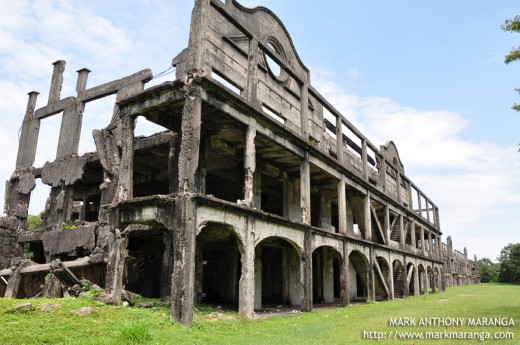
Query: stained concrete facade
{"type": "Point", "coordinates": [258, 192]}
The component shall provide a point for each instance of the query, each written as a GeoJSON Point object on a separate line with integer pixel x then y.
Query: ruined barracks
{"type": "Point", "coordinates": [258, 192]}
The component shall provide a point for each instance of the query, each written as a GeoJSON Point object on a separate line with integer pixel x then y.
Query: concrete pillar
{"type": "Point", "coordinates": [125, 185]}
{"type": "Point", "coordinates": [258, 277]}
{"type": "Point", "coordinates": [342, 207]}
{"type": "Point", "coordinates": [116, 267]}
{"type": "Point", "coordinates": [328, 275]}
{"type": "Point", "coordinates": [412, 233]}
{"type": "Point", "coordinates": [70, 131]}
{"type": "Point", "coordinates": [304, 110]}
{"type": "Point", "coordinates": [29, 135]}
{"type": "Point", "coordinates": [386, 224]}
{"type": "Point", "coordinates": [56, 81]}
{"type": "Point", "coordinates": [398, 183]}
{"type": "Point", "coordinates": [305, 189]}
{"type": "Point", "coordinates": [391, 279]}
{"type": "Point", "coordinates": [249, 165]}
{"type": "Point", "coordinates": [420, 203]}
{"type": "Point", "coordinates": [252, 73]}
{"type": "Point", "coordinates": [429, 235]}
{"type": "Point", "coordinates": [371, 287]}
{"type": "Point", "coordinates": [246, 299]}
{"type": "Point", "coordinates": [423, 249]}
{"type": "Point", "coordinates": [344, 277]}
{"type": "Point", "coordinates": [183, 276]}
{"type": "Point", "coordinates": [306, 304]}
{"type": "Point", "coordinates": [401, 230]}
{"type": "Point", "coordinates": [367, 221]}
{"type": "Point", "coordinates": [382, 172]}
{"type": "Point", "coordinates": [364, 158]}
{"type": "Point", "coordinates": [339, 139]}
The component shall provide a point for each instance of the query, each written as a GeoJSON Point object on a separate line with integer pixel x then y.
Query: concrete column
{"type": "Point", "coordinates": [116, 267]}
{"type": "Point", "coordinates": [249, 165]}
{"type": "Point", "coordinates": [371, 288]}
{"type": "Point", "coordinates": [342, 207]}
{"type": "Point", "coordinates": [429, 235]}
{"type": "Point", "coordinates": [398, 183]}
{"type": "Point", "coordinates": [382, 172]}
{"type": "Point", "coordinates": [339, 139]}
{"type": "Point", "coordinates": [420, 203]}
{"type": "Point", "coordinates": [125, 185]}
{"type": "Point", "coordinates": [304, 110]}
{"type": "Point", "coordinates": [423, 249]}
{"type": "Point", "coordinates": [412, 233]}
{"type": "Point", "coordinates": [344, 280]}
{"type": "Point", "coordinates": [401, 230]}
{"type": "Point", "coordinates": [29, 135]}
{"type": "Point", "coordinates": [364, 158]}
{"type": "Point", "coordinates": [56, 81]}
{"type": "Point", "coordinates": [70, 131]}
{"type": "Point", "coordinates": [305, 189]}
{"type": "Point", "coordinates": [306, 304]}
{"type": "Point", "coordinates": [438, 240]}
{"type": "Point", "coordinates": [406, 283]}
{"type": "Point", "coordinates": [416, 282]}
{"type": "Point", "coordinates": [386, 224]}
{"type": "Point", "coordinates": [252, 73]}
{"type": "Point", "coordinates": [246, 299]}
{"type": "Point", "coordinates": [258, 278]}
{"type": "Point", "coordinates": [427, 209]}
{"type": "Point", "coordinates": [183, 276]}
{"type": "Point", "coordinates": [328, 276]}
{"type": "Point", "coordinates": [367, 217]}
{"type": "Point", "coordinates": [391, 279]}
{"type": "Point", "coordinates": [409, 190]}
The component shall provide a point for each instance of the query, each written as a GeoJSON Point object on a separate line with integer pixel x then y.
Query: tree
{"type": "Point", "coordinates": [509, 259]}
{"type": "Point", "coordinates": [488, 270]}
{"type": "Point", "coordinates": [513, 25]}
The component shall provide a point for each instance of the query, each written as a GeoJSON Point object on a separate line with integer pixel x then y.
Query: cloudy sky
{"type": "Point", "coordinates": [428, 75]}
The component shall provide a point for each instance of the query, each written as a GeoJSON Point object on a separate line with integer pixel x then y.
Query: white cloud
{"type": "Point", "coordinates": [474, 183]}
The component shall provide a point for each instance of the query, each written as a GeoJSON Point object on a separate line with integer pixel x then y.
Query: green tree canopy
{"type": "Point", "coordinates": [488, 270]}
{"type": "Point", "coordinates": [513, 25]}
{"type": "Point", "coordinates": [509, 271]}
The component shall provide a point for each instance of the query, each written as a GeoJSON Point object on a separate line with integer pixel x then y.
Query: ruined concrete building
{"type": "Point", "coordinates": [257, 192]}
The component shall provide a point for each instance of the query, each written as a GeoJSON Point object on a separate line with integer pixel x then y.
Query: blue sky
{"type": "Point", "coordinates": [428, 75]}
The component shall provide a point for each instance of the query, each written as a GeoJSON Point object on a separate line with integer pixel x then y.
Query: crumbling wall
{"type": "Point", "coordinates": [9, 247]}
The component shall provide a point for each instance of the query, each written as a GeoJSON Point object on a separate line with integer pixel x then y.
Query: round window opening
{"type": "Point", "coordinates": [274, 68]}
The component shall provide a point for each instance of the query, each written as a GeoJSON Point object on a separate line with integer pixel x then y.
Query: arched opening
{"type": "Point", "coordinates": [277, 273]}
{"type": "Point", "coordinates": [431, 279]}
{"type": "Point", "coordinates": [358, 276]}
{"type": "Point", "coordinates": [148, 263]}
{"type": "Point", "coordinates": [399, 279]}
{"type": "Point", "coordinates": [218, 266]}
{"type": "Point", "coordinates": [437, 278]}
{"type": "Point", "coordinates": [382, 278]}
{"type": "Point", "coordinates": [326, 263]}
{"type": "Point", "coordinates": [422, 279]}
{"type": "Point", "coordinates": [413, 278]}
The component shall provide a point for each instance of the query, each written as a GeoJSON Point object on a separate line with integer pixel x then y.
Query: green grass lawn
{"type": "Point", "coordinates": [130, 325]}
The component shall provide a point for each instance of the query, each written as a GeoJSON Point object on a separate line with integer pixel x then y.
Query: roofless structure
{"type": "Point", "coordinates": [258, 192]}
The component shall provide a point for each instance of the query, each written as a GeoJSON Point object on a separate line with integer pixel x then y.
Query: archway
{"type": "Point", "coordinates": [382, 278]}
{"type": "Point", "coordinates": [358, 276]}
{"type": "Point", "coordinates": [399, 279]}
{"type": "Point", "coordinates": [218, 266]}
{"type": "Point", "coordinates": [431, 279]}
{"type": "Point", "coordinates": [326, 263]}
{"type": "Point", "coordinates": [422, 279]}
{"type": "Point", "coordinates": [277, 273]}
{"type": "Point", "coordinates": [147, 267]}
{"type": "Point", "coordinates": [412, 283]}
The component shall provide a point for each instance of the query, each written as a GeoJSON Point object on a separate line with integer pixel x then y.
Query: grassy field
{"type": "Point", "coordinates": [351, 325]}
